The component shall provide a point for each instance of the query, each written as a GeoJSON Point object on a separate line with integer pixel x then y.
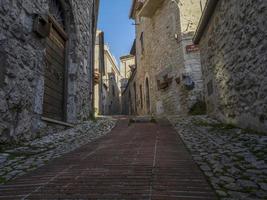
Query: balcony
{"type": "Point", "coordinates": [150, 7]}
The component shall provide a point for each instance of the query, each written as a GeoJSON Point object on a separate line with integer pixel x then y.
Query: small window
{"type": "Point", "coordinates": [210, 87]}
{"type": "Point", "coordinates": [142, 42]}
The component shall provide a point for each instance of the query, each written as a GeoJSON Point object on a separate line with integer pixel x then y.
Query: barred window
{"type": "Point", "coordinates": [56, 11]}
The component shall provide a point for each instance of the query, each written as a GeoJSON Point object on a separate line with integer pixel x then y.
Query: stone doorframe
{"type": "Point", "coordinates": [69, 23]}
{"type": "Point", "coordinates": [54, 61]}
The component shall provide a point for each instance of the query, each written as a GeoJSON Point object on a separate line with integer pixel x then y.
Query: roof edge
{"type": "Point", "coordinates": [205, 19]}
{"type": "Point", "coordinates": [132, 9]}
{"type": "Point", "coordinates": [127, 56]}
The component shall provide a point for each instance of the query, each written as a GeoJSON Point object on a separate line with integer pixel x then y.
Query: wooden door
{"type": "Point", "coordinates": [53, 105]}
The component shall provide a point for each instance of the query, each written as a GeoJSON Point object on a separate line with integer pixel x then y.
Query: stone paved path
{"type": "Point", "coordinates": [233, 159]}
{"type": "Point", "coordinates": [28, 156]}
{"type": "Point", "coordinates": [141, 161]}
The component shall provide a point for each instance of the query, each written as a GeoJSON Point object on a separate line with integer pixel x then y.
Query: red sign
{"type": "Point", "coordinates": [192, 48]}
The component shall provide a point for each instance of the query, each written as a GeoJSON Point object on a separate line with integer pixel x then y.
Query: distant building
{"type": "Point", "coordinates": [127, 64]}
{"type": "Point", "coordinates": [168, 71]}
{"type": "Point", "coordinates": [107, 80]}
{"type": "Point", "coordinates": [100, 89]}
{"type": "Point", "coordinates": [232, 39]}
{"type": "Point", "coordinates": [128, 83]}
{"type": "Point", "coordinates": [128, 97]}
{"type": "Point", "coordinates": [46, 65]}
{"type": "Point", "coordinates": [111, 81]}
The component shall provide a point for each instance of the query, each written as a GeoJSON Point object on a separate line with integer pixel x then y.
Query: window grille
{"type": "Point", "coordinates": [56, 11]}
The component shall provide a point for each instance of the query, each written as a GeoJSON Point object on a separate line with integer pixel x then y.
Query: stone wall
{"type": "Point", "coordinates": [233, 51]}
{"type": "Point", "coordinates": [23, 60]}
{"type": "Point", "coordinates": [163, 58]}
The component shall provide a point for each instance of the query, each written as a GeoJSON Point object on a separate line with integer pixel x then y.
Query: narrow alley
{"type": "Point", "coordinates": [133, 100]}
{"type": "Point", "coordinates": [134, 161]}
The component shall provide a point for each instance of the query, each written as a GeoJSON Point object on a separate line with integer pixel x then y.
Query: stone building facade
{"type": "Point", "coordinates": [107, 79]}
{"type": "Point", "coordinates": [127, 64]}
{"type": "Point", "coordinates": [128, 83]}
{"type": "Point", "coordinates": [46, 63]}
{"type": "Point", "coordinates": [99, 72]}
{"type": "Point", "coordinates": [169, 78]}
{"type": "Point", "coordinates": [111, 81]}
{"type": "Point", "coordinates": [129, 96]}
{"type": "Point", "coordinates": [232, 38]}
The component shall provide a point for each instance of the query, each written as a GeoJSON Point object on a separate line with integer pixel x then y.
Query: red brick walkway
{"type": "Point", "coordinates": [140, 161]}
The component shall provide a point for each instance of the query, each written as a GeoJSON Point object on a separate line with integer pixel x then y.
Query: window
{"type": "Point", "coordinates": [142, 42]}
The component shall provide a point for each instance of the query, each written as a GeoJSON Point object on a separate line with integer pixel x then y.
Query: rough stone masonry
{"type": "Point", "coordinates": [23, 61]}
{"type": "Point", "coordinates": [164, 31]}
{"type": "Point", "coordinates": [233, 54]}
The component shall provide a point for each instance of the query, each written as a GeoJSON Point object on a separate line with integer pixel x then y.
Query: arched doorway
{"type": "Point", "coordinates": [54, 73]}
{"type": "Point", "coordinates": [147, 96]}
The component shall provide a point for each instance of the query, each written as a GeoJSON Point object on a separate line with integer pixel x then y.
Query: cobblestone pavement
{"type": "Point", "coordinates": [136, 161]}
{"type": "Point", "coordinates": [234, 160]}
{"type": "Point", "coordinates": [31, 155]}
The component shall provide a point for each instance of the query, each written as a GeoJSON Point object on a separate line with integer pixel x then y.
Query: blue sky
{"type": "Point", "coordinates": [114, 21]}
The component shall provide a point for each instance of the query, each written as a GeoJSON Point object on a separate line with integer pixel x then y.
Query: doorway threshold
{"type": "Point", "coordinates": [57, 122]}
